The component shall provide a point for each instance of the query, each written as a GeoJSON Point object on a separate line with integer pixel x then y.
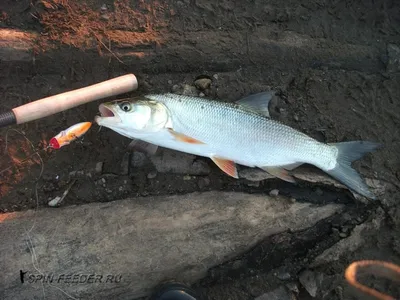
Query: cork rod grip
{"type": "Point", "coordinates": [58, 103]}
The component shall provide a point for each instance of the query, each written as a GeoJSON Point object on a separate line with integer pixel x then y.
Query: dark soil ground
{"type": "Point", "coordinates": [334, 64]}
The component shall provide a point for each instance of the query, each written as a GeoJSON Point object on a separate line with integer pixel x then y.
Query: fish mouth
{"type": "Point", "coordinates": [107, 115]}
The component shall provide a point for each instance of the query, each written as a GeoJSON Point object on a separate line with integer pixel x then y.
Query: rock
{"type": "Point", "coordinates": [319, 192]}
{"type": "Point", "coordinates": [215, 76]}
{"type": "Point", "coordinates": [175, 88]}
{"type": "Point", "coordinates": [138, 159]}
{"type": "Point", "coordinates": [311, 281]}
{"type": "Point", "coordinates": [253, 183]}
{"type": "Point", "coordinates": [282, 274]}
{"type": "Point", "coordinates": [280, 293]}
{"type": "Point", "coordinates": [201, 95]}
{"type": "Point", "coordinates": [187, 177]}
{"type": "Point", "coordinates": [99, 167]}
{"type": "Point", "coordinates": [55, 202]}
{"type": "Point", "coordinates": [152, 175]}
{"type": "Point", "coordinates": [393, 63]}
{"type": "Point", "coordinates": [274, 193]}
{"type": "Point", "coordinates": [203, 182]}
{"type": "Point", "coordinates": [125, 163]}
{"type": "Point", "coordinates": [189, 90]}
{"type": "Point", "coordinates": [170, 161]}
{"type": "Point", "coordinates": [169, 82]}
{"type": "Point", "coordinates": [351, 243]}
{"type": "Point", "coordinates": [202, 83]}
{"type": "Point", "coordinates": [292, 286]}
{"type": "Point", "coordinates": [254, 174]}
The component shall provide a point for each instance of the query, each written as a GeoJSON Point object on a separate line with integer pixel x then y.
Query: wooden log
{"type": "Point", "coordinates": [138, 242]}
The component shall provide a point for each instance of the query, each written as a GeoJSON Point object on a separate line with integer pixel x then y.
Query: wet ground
{"type": "Point", "coordinates": [334, 64]}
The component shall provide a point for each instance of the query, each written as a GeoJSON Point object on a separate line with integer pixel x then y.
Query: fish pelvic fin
{"type": "Point", "coordinates": [344, 173]}
{"type": "Point", "coordinates": [280, 172]}
{"type": "Point", "coordinates": [184, 138]}
{"type": "Point", "coordinates": [228, 166]}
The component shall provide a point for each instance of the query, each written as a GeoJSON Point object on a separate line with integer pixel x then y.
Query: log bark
{"type": "Point", "coordinates": [142, 240]}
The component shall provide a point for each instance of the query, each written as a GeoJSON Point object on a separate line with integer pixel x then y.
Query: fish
{"type": "Point", "coordinates": [231, 133]}
{"type": "Point", "coordinates": [68, 135]}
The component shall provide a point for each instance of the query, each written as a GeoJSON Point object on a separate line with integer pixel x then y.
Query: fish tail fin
{"type": "Point", "coordinates": [343, 172]}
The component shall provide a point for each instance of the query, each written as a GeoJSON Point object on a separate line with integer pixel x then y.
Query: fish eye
{"type": "Point", "coordinates": [125, 106]}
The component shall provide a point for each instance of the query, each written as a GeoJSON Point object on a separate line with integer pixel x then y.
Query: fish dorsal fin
{"type": "Point", "coordinates": [258, 102]}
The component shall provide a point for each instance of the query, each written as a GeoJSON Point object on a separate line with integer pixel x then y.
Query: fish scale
{"type": "Point", "coordinates": [241, 134]}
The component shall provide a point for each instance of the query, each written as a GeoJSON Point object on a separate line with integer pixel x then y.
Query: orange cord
{"type": "Point", "coordinates": [351, 276]}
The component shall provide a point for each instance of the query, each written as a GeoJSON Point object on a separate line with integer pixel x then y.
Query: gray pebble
{"type": "Point", "coordinates": [274, 193]}
{"type": "Point", "coordinates": [152, 175]}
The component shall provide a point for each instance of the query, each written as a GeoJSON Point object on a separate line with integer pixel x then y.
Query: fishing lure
{"type": "Point", "coordinates": [69, 135]}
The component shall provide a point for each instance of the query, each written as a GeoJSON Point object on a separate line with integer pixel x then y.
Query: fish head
{"type": "Point", "coordinates": [134, 117]}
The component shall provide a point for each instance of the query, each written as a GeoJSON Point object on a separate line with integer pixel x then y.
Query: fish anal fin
{"type": "Point", "coordinates": [142, 146]}
{"type": "Point", "coordinates": [290, 167]}
{"type": "Point", "coordinates": [280, 172]}
{"type": "Point", "coordinates": [228, 166]}
{"type": "Point", "coordinates": [184, 138]}
{"type": "Point", "coordinates": [258, 102]}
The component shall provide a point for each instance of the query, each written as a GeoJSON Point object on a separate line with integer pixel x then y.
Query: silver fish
{"type": "Point", "coordinates": [231, 133]}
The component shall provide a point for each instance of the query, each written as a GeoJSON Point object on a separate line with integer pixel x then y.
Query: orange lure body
{"type": "Point", "coordinates": [70, 134]}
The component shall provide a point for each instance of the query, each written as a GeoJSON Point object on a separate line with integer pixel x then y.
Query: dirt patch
{"type": "Point", "coordinates": [334, 65]}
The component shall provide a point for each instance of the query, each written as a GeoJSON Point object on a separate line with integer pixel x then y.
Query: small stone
{"type": "Point", "coordinates": [103, 7]}
{"type": "Point", "coordinates": [319, 192]}
{"type": "Point", "coordinates": [293, 200]}
{"type": "Point", "coordinates": [215, 76]}
{"type": "Point", "coordinates": [280, 293]}
{"type": "Point", "coordinates": [281, 110]}
{"type": "Point", "coordinates": [99, 167]}
{"type": "Point", "coordinates": [121, 188]}
{"type": "Point", "coordinates": [72, 173]}
{"type": "Point", "coordinates": [103, 180]}
{"type": "Point", "coordinates": [274, 193]}
{"type": "Point", "coordinates": [169, 81]}
{"type": "Point", "coordinates": [55, 202]}
{"type": "Point", "coordinates": [296, 118]}
{"type": "Point", "coordinates": [189, 90]}
{"type": "Point", "coordinates": [292, 286]}
{"type": "Point", "coordinates": [203, 182]}
{"type": "Point", "coordinates": [201, 94]}
{"type": "Point", "coordinates": [187, 177]}
{"type": "Point", "coordinates": [253, 183]}
{"type": "Point", "coordinates": [393, 64]}
{"type": "Point", "coordinates": [308, 280]}
{"type": "Point", "coordinates": [202, 83]}
{"type": "Point", "coordinates": [282, 274]}
{"type": "Point", "coordinates": [343, 235]}
{"type": "Point", "coordinates": [152, 175]}
{"type": "Point", "coordinates": [138, 159]}
{"type": "Point", "coordinates": [175, 88]}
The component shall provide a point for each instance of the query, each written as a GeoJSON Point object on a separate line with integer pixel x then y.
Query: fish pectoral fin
{"type": "Point", "coordinates": [228, 166]}
{"type": "Point", "coordinates": [258, 102]}
{"type": "Point", "coordinates": [184, 138]}
{"type": "Point", "coordinates": [142, 146]}
{"type": "Point", "coordinates": [290, 167]}
{"type": "Point", "coordinates": [280, 172]}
